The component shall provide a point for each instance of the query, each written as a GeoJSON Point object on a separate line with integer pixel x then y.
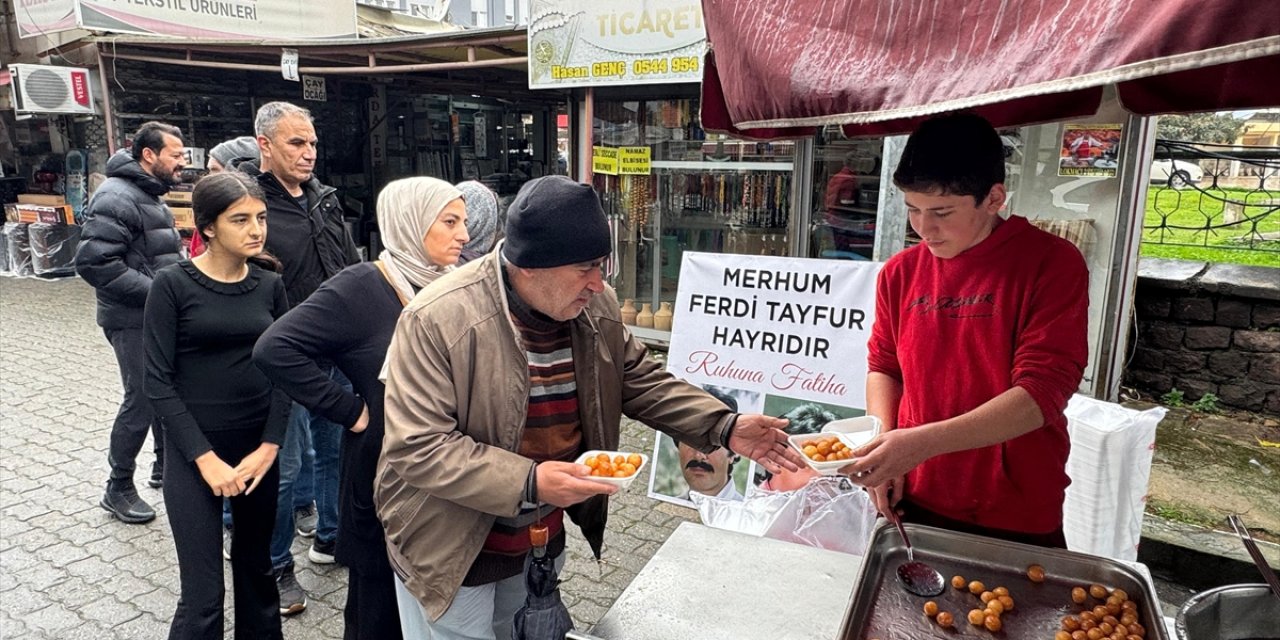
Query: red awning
{"type": "Point", "coordinates": [880, 66]}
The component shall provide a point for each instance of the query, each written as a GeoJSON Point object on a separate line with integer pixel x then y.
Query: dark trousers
{"type": "Point", "coordinates": [912, 513]}
{"type": "Point", "coordinates": [195, 515]}
{"type": "Point", "coordinates": [371, 612]}
{"type": "Point", "coordinates": [129, 431]}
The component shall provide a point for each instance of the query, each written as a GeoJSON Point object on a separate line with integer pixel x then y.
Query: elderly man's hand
{"type": "Point", "coordinates": [565, 484]}
{"type": "Point", "coordinates": [762, 439]}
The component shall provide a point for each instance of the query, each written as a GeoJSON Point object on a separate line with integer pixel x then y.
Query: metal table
{"type": "Point", "coordinates": [714, 584]}
{"type": "Point", "coordinates": [709, 583]}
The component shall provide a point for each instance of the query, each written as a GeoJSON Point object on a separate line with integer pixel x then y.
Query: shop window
{"type": "Point", "coordinates": [846, 196]}
{"type": "Point", "coordinates": [703, 192]}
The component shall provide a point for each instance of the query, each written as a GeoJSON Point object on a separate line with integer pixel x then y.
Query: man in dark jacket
{"type": "Point", "coordinates": [128, 237]}
{"type": "Point", "coordinates": [309, 237]}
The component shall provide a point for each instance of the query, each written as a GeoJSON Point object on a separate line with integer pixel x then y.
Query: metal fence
{"type": "Point", "coordinates": [1214, 196]}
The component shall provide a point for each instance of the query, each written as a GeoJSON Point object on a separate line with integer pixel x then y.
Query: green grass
{"type": "Point", "coordinates": [1192, 211]}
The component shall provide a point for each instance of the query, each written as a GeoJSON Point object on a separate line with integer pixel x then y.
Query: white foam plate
{"type": "Point", "coordinates": [620, 483]}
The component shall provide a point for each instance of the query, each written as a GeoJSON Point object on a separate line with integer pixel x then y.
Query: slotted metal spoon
{"type": "Point", "coordinates": [916, 577]}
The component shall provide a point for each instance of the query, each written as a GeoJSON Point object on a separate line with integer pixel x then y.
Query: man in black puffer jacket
{"type": "Point", "coordinates": [128, 237]}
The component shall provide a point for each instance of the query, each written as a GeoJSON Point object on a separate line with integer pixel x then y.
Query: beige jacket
{"type": "Point", "coordinates": [457, 398]}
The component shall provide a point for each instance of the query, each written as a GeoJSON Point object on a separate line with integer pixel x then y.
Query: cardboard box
{"type": "Point", "coordinates": [184, 217]}
{"type": "Point", "coordinates": [181, 197]}
{"type": "Point", "coordinates": [46, 199]}
{"type": "Point", "coordinates": [61, 214]}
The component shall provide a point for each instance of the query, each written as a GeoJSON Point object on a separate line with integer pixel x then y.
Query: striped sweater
{"type": "Point", "coordinates": [552, 431]}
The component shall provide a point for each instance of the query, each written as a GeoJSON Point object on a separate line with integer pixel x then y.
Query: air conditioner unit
{"type": "Point", "coordinates": [39, 88]}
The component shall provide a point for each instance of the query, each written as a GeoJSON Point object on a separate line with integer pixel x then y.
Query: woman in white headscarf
{"type": "Point", "coordinates": [348, 321]}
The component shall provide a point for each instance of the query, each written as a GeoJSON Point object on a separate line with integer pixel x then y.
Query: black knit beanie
{"type": "Point", "coordinates": [553, 222]}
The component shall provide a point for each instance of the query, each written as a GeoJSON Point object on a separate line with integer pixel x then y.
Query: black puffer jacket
{"type": "Point", "coordinates": [312, 243]}
{"type": "Point", "coordinates": [128, 237]}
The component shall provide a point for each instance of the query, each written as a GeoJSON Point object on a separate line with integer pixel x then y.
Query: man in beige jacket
{"type": "Point", "coordinates": [499, 375]}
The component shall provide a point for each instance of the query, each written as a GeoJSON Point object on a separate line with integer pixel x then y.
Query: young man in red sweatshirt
{"type": "Point", "coordinates": [979, 340]}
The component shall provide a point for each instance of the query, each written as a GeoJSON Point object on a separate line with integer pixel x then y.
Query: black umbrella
{"type": "Point", "coordinates": [543, 616]}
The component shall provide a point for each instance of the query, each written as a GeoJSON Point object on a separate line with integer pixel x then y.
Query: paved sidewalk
{"type": "Point", "coordinates": [68, 570]}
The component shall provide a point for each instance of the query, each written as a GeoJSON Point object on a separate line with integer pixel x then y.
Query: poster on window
{"type": "Point", "coordinates": [1090, 150]}
{"type": "Point", "coordinates": [785, 337]}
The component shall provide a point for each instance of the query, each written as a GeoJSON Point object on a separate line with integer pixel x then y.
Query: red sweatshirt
{"type": "Point", "coordinates": [1010, 312]}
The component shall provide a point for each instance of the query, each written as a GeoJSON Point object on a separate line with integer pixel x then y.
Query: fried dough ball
{"type": "Point", "coordinates": [1070, 623]}
{"type": "Point", "coordinates": [976, 616]}
{"type": "Point", "coordinates": [1007, 601]}
{"type": "Point", "coordinates": [992, 623]}
{"type": "Point", "coordinates": [1035, 573]}
{"type": "Point", "coordinates": [1000, 591]}
{"type": "Point", "coordinates": [995, 607]}
{"type": "Point", "coordinates": [931, 608]}
{"type": "Point", "coordinates": [944, 619]}
{"type": "Point", "coordinates": [987, 596]}
{"type": "Point", "coordinates": [976, 587]}
{"type": "Point", "coordinates": [958, 582]}
{"type": "Point", "coordinates": [1078, 595]}
{"type": "Point", "coordinates": [1098, 591]}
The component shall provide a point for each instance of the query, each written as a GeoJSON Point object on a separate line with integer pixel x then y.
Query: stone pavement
{"type": "Point", "coordinates": [68, 570]}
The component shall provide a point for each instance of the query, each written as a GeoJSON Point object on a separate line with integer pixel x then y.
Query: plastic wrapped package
{"type": "Point", "coordinates": [18, 243]}
{"type": "Point", "coordinates": [53, 249]}
{"type": "Point", "coordinates": [1109, 466]}
{"type": "Point", "coordinates": [5, 267]}
{"type": "Point", "coordinates": [829, 513]}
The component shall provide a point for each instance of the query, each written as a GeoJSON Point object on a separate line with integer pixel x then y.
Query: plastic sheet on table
{"type": "Point", "coordinates": [829, 513]}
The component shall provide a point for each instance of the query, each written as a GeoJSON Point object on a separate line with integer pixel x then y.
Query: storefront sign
{"type": "Point", "coordinates": [191, 18]}
{"type": "Point", "coordinates": [1090, 150]}
{"type": "Point", "coordinates": [786, 337]}
{"type": "Point", "coordinates": [604, 160]}
{"type": "Point", "coordinates": [592, 43]}
{"type": "Point", "coordinates": [43, 17]}
{"type": "Point", "coordinates": [378, 136]}
{"type": "Point", "coordinates": [313, 88]}
{"type": "Point", "coordinates": [633, 161]}
{"type": "Point", "coordinates": [289, 64]}
{"type": "Point", "coordinates": [480, 131]}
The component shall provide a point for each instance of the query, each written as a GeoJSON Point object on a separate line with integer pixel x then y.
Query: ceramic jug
{"type": "Point", "coordinates": [645, 317]}
{"type": "Point", "coordinates": [629, 311]}
{"type": "Point", "coordinates": [662, 317]}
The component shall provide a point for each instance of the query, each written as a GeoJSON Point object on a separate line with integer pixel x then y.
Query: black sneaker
{"type": "Point", "coordinates": [122, 501]}
{"type": "Point", "coordinates": [157, 475]}
{"type": "Point", "coordinates": [305, 520]}
{"type": "Point", "coordinates": [322, 552]}
{"type": "Point", "coordinates": [293, 600]}
{"type": "Point", "coordinates": [226, 545]}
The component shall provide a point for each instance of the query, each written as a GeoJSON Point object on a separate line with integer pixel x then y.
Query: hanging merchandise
{"type": "Point", "coordinates": [76, 195]}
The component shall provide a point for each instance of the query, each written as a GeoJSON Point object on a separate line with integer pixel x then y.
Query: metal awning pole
{"type": "Point", "coordinates": [106, 102]}
{"type": "Point", "coordinates": [352, 70]}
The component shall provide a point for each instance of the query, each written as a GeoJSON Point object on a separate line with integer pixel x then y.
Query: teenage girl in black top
{"type": "Point", "coordinates": [223, 420]}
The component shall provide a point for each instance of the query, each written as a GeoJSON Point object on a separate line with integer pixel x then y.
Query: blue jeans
{"type": "Point", "coordinates": [307, 432]}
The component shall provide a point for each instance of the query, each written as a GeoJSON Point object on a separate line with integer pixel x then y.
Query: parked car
{"type": "Point", "coordinates": [1176, 173]}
